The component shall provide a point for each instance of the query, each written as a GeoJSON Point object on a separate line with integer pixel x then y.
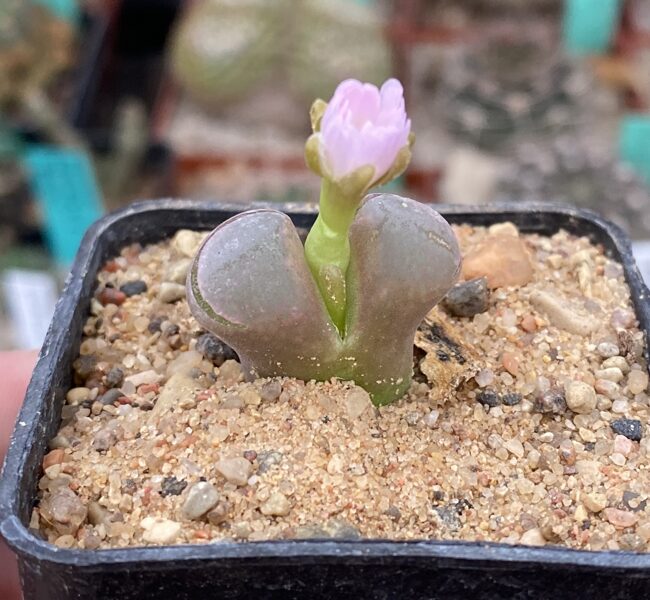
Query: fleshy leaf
{"type": "Point", "coordinates": [404, 259]}
{"type": "Point", "coordinates": [250, 285]}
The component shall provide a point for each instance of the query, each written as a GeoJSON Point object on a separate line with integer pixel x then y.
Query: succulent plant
{"type": "Point", "coordinates": [512, 84]}
{"type": "Point", "coordinates": [223, 50]}
{"type": "Point", "coordinates": [348, 304]}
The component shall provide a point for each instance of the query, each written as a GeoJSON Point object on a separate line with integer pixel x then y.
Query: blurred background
{"type": "Point", "coordinates": [104, 102]}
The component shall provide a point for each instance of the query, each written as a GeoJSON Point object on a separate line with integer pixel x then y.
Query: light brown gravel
{"type": "Point", "coordinates": [283, 458]}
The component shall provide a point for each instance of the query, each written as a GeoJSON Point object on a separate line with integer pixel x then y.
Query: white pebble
{"type": "Point", "coordinates": [357, 402]}
{"type": "Point", "coordinates": [235, 470]}
{"type": "Point", "coordinates": [515, 447]}
{"type": "Point", "coordinates": [276, 506]}
{"type": "Point", "coordinates": [159, 531]}
{"type": "Point", "coordinates": [146, 377]}
{"type": "Point", "coordinates": [616, 361]}
{"type": "Point", "coordinates": [612, 374]}
{"type": "Point", "coordinates": [484, 377]}
{"type": "Point", "coordinates": [171, 292]}
{"type": "Point", "coordinates": [637, 381]}
{"type": "Point", "coordinates": [431, 418]}
{"type": "Point", "coordinates": [201, 497]}
{"type": "Point", "coordinates": [608, 349]}
{"type": "Point", "coordinates": [77, 395]}
{"type": "Point", "coordinates": [580, 397]}
{"type": "Point", "coordinates": [533, 537]}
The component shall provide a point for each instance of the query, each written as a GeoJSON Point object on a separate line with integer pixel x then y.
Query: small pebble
{"type": "Point", "coordinates": [235, 470]}
{"type": "Point", "coordinates": [111, 296]}
{"type": "Point", "coordinates": [567, 452]}
{"type": "Point", "coordinates": [143, 378]}
{"type": "Point", "coordinates": [177, 271]}
{"type": "Point", "coordinates": [357, 402]}
{"type": "Point", "coordinates": [114, 377]}
{"type": "Point", "coordinates": [187, 242]}
{"type": "Point", "coordinates": [622, 318]}
{"type": "Point", "coordinates": [109, 397]}
{"type": "Point", "coordinates": [250, 455]}
{"type": "Point", "coordinates": [595, 502]}
{"type": "Point", "coordinates": [77, 395]}
{"type": "Point", "coordinates": [637, 381]}
{"type": "Point", "coordinates": [488, 398]}
{"type": "Point", "coordinates": [484, 377]}
{"type": "Point", "coordinates": [612, 374]}
{"type": "Point", "coordinates": [214, 350]}
{"type": "Point", "coordinates": [219, 514]}
{"type": "Point", "coordinates": [502, 259]}
{"type": "Point", "coordinates": [607, 388]}
{"type": "Point", "coordinates": [607, 349]}
{"type": "Point", "coordinates": [510, 363]}
{"type": "Point", "coordinates": [267, 460]}
{"type": "Point", "coordinates": [431, 418]}
{"type": "Point", "coordinates": [277, 505]}
{"type": "Point", "coordinates": [630, 428]}
{"type": "Point", "coordinates": [551, 401]}
{"type": "Point", "coordinates": [159, 530]}
{"type": "Point", "coordinates": [55, 457]}
{"type": "Point", "coordinates": [154, 324]}
{"type": "Point", "coordinates": [515, 447]}
{"type": "Point", "coordinates": [533, 537]}
{"type": "Point", "coordinates": [511, 399]}
{"type": "Point", "coordinates": [529, 323]}
{"type": "Point", "coordinates": [620, 518]}
{"type": "Point", "coordinates": [171, 292]}
{"type": "Point", "coordinates": [468, 298]}
{"type": "Point", "coordinates": [623, 445]}
{"type": "Point", "coordinates": [341, 529]}
{"type": "Point", "coordinates": [634, 502]}
{"type": "Point", "coordinates": [580, 397]}
{"type": "Point", "coordinates": [65, 541]}
{"type": "Point", "coordinates": [561, 314]}
{"type": "Point", "coordinates": [104, 439]}
{"type": "Point", "coordinates": [132, 288]}
{"type": "Point", "coordinates": [230, 372]}
{"type": "Point", "coordinates": [618, 362]}
{"type": "Point", "coordinates": [64, 510]}
{"type": "Point", "coordinates": [172, 487]}
{"type": "Point", "coordinates": [201, 498]}
{"type": "Point", "coordinates": [271, 390]}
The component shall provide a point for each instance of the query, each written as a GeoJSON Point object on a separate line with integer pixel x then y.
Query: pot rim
{"type": "Point", "coordinates": [28, 428]}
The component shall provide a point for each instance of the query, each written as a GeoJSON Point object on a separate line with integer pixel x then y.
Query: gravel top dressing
{"type": "Point", "coordinates": [526, 422]}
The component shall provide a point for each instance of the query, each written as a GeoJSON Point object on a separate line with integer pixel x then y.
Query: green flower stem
{"type": "Point", "coordinates": [327, 248]}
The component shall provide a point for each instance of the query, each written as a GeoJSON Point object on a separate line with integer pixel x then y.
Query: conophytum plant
{"type": "Point", "coordinates": [347, 304]}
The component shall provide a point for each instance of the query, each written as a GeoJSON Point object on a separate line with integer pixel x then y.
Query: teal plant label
{"type": "Point", "coordinates": [68, 10]}
{"type": "Point", "coordinates": [63, 182]}
{"type": "Point", "coordinates": [590, 25]}
{"type": "Point", "coordinates": [635, 144]}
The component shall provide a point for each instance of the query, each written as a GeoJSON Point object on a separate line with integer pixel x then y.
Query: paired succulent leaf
{"type": "Point", "coordinates": [251, 285]}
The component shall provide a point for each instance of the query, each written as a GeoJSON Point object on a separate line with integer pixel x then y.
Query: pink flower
{"type": "Point", "coordinates": [361, 126]}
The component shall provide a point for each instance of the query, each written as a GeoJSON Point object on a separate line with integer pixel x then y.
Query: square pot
{"type": "Point", "coordinates": [284, 569]}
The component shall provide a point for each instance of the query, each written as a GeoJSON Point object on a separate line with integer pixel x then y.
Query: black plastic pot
{"type": "Point", "coordinates": [284, 569]}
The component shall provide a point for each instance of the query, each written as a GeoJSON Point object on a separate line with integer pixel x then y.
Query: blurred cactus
{"type": "Point", "coordinates": [224, 50]}
{"type": "Point", "coordinates": [514, 82]}
{"type": "Point", "coordinates": [344, 39]}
